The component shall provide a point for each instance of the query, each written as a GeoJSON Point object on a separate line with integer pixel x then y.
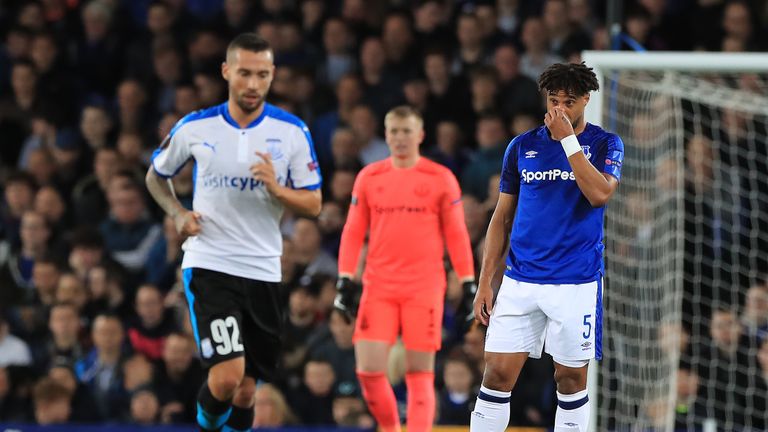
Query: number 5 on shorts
{"type": "Point", "coordinates": [589, 326]}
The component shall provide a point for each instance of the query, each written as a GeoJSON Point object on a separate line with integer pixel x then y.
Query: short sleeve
{"type": "Point", "coordinates": [304, 168]}
{"type": "Point", "coordinates": [173, 153]}
{"type": "Point", "coordinates": [510, 179]}
{"type": "Point", "coordinates": [614, 157]}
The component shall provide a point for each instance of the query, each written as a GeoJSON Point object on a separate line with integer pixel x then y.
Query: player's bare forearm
{"type": "Point", "coordinates": [161, 192]}
{"type": "Point", "coordinates": [497, 239]}
{"type": "Point", "coordinates": [596, 186]}
{"type": "Point", "coordinates": [301, 201]}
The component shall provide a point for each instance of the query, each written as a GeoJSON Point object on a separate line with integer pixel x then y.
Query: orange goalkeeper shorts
{"type": "Point", "coordinates": [414, 310]}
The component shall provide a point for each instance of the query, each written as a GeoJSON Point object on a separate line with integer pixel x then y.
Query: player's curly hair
{"type": "Point", "coordinates": [573, 78]}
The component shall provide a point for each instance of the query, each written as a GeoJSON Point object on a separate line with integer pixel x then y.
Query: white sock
{"type": "Point", "coordinates": [491, 412]}
{"type": "Point", "coordinates": [572, 413]}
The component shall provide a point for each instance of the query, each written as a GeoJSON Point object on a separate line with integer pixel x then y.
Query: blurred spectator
{"type": "Point", "coordinates": [397, 35]}
{"type": "Point", "coordinates": [82, 401]}
{"type": "Point", "coordinates": [517, 93]}
{"type": "Point", "coordinates": [342, 182]}
{"type": "Point", "coordinates": [755, 315]}
{"type": "Point", "coordinates": [95, 127]}
{"type": "Point", "coordinates": [563, 36]}
{"type": "Point", "coordinates": [13, 406]}
{"type": "Point", "coordinates": [210, 89]}
{"type": "Point", "coordinates": [16, 265]}
{"type": "Point", "coordinates": [51, 205]}
{"type": "Point", "coordinates": [101, 369]}
{"type": "Point", "coordinates": [13, 351]}
{"type": "Point", "coordinates": [89, 195]}
{"type": "Point", "coordinates": [165, 256]}
{"type": "Point", "coordinates": [381, 87]}
{"type": "Point", "coordinates": [64, 342]}
{"type": "Point", "coordinates": [345, 147]}
{"type": "Point", "coordinates": [19, 194]}
{"type": "Point", "coordinates": [132, 112]}
{"type": "Point", "coordinates": [448, 94]}
{"type": "Point", "coordinates": [484, 84]}
{"type": "Point", "coordinates": [45, 278]}
{"type": "Point", "coordinates": [17, 108]}
{"type": "Point", "coordinates": [178, 377]}
{"type": "Point", "coordinates": [54, 77]}
{"type": "Point", "coordinates": [71, 290]}
{"type": "Point", "coordinates": [349, 92]}
{"type": "Point", "coordinates": [98, 52]}
{"type": "Point", "coordinates": [492, 140]}
{"type": "Point", "coordinates": [333, 342]}
{"type": "Point", "coordinates": [337, 44]}
{"type": "Point", "coordinates": [145, 407]}
{"type": "Point", "coordinates": [537, 55]}
{"type": "Point", "coordinates": [129, 232]}
{"type": "Point", "coordinates": [738, 23]}
{"type": "Point", "coordinates": [271, 409]}
{"type": "Point", "coordinates": [689, 409]}
{"type": "Point", "coordinates": [152, 325]}
{"type": "Point", "coordinates": [331, 223]}
{"type": "Point", "coordinates": [349, 410]}
{"type": "Point", "coordinates": [722, 366]}
{"type": "Point", "coordinates": [41, 165]}
{"type": "Point", "coordinates": [449, 147]}
{"type": "Point", "coordinates": [313, 402]}
{"type": "Point", "coordinates": [52, 402]}
{"type": "Point", "coordinates": [309, 254]}
{"type": "Point", "coordinates": [364, 125]}
{"type": "Point", "coordinates": [300, 323]}
{"type": "Point", "coordinates": [130, 146]}
{"type": "Point", "coordinates": [455, 400]}
{"type": "Point", "coordinates": [471, 52]}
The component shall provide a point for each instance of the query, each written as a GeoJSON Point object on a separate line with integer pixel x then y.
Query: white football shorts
{"type": "Point", "coordinates": [563, 319]}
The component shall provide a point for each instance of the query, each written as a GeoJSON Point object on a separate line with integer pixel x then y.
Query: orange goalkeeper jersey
{"type": "Point", "coordinates": [412, 214]}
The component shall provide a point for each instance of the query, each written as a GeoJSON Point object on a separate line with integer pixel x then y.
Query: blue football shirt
{"type": "Point", "coordinates": [557, 236]}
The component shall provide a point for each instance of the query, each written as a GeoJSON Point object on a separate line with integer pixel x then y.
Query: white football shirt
{"type": "Point", "coordinates": [240, 220]}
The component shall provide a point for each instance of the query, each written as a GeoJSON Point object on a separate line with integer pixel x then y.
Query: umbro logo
{"type": "Point", "coordinates": [531, 154]}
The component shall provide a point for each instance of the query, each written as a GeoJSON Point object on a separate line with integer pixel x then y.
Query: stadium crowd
{"type": "Point", "coordinates": [94, 324]}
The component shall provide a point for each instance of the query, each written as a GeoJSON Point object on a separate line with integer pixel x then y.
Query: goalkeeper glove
{"type": "Point", "coordinates": [465, 313]}
{"type": "Point", "coordinates": [346, 300]}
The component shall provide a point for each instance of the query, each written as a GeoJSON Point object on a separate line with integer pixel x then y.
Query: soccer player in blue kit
{"type": "Point", "coordinates": [555, 182]}
{"type": "Point", "coordinates": [252, 160]}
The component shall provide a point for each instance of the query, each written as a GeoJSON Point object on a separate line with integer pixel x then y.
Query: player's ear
{"type": "Point", "coordinates": [586, 98]}
{"type": "Point", "coordinates": [225, 70]}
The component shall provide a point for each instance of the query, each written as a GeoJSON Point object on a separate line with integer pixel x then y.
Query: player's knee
{"type": "Point", "coordinates": [570, 381]}
{"type": "Point", "coordinates": [245, 394]}
{"type": "Point", "coordinates": [497, 376]}
{"type": "Point", "coordinates": [223, 383]}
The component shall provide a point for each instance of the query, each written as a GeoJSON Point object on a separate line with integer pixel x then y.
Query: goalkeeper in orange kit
{"type": "Point", "coordinates": [411, 207]}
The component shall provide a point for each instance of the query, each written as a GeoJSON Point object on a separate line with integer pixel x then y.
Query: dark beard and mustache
{"type": "Point", "coordinates": [248, 109]}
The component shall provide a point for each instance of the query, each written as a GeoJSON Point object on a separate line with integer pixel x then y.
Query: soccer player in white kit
{"type": "Point", "coordinates": [252, 160]}
{"type": "Point", "coordinates": [555, 182]}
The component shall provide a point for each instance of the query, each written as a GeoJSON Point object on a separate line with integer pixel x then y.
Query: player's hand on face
{"type": "Point", "coordinates": [483, 304]}
{"type": "Point", "coordinates": [558, 123]}
{"type": "Point", "coordinates": [188, 223]}
{"type": "Point", "coordinates": [264, 171]}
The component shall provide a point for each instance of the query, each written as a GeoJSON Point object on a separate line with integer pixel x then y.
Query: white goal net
{"type": "Point", "coordinates": [686, 302]}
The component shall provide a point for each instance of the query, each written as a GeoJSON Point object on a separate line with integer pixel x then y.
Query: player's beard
{"type": "Point", "coordinates": [249, 107]}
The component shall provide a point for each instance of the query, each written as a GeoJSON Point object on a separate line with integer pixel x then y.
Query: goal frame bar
{"type": "Point", "coordinates": [603, 62]}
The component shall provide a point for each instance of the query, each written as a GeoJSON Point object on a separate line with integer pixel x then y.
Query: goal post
{"type": "Point", "coordinates": [686, 235]}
